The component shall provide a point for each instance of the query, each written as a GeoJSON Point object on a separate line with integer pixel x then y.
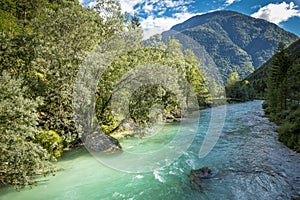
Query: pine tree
{"type": "Point", "coordinates": [232, 87]}
{"type": "Point", "coordinates": [135, 21]}
{"type": "Point", "coordinates": [277, 87]}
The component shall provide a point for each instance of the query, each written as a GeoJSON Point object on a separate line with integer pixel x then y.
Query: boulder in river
{"type": "Point", "coordinates": [198, 175]}
{"type": "Point", "coordinates": [101, 142]}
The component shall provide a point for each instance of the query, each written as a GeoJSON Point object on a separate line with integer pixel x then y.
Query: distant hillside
{"type": "Point", "coordinates": [231, 41]}
{"type": "Point", "coordinates": [259, 77]}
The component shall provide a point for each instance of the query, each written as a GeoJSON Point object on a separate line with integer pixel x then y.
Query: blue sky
{"type": "Point", "coordinates": [160, 15]}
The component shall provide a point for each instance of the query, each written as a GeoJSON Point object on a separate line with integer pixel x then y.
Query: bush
{"type": "Point", "coordinates": [51, 141]}
{"type": "Point", "coordinates": [20, 157]}
{"type": "Point", "coordinates": [289, 131]}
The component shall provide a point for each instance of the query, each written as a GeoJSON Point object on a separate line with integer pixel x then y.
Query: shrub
{"type": "Point", "coordinates": [20, 157]}
{"type": "Point", "coordinates": [51, 141]}
{"type": "Point", "coordinates": [289, 131]}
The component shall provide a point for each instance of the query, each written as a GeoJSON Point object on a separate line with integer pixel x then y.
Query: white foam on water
{"type": "Point", "coordinates": [139, 176]}
{"type": "Point", "coordinates": [158, 177]}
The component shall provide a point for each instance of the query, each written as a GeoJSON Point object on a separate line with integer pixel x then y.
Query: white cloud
{"type": "Point", "coordinates": [128, 5]}
{"type": "Point", "coordinates": [229, 2]}
{"type": "Point", "coordinates": [256, 6]}
{"type": "Point", "coordinates": [277, 13]}
{"type": "Point", "coordinates": [172, 4]}
{"type": "Point", "coordinates": [91, 4]}
{"type": "Point", "coordinates": [148, 8]}
{"type": "Point", "coordinates": [155, 10]}
{"type": "Point", "coordinates": [154, 25]}
{"type": "Point", "coordinates": [156, 21]}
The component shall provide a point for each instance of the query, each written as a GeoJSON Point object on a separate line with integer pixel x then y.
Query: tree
{"type": "Point", "coordinates": [66, 36]}
{"type": "Point", "coordinates": [293, 82]}
{"type": "Point", "coordinates": [48, 58]}
{"type": "Point", "coordinates": [238, 90]}
{"type": "Point", "coordinates": [20, 157]}
{"type": "Point", "coordinates": [277, 87]}
{"type": "Point", "coordinates": [196, 78]}
{"type": "Point", "coordinates": [135, 21]}
{"type": "Point", "coordinates": [231, 87]}
{"type": "Point", "coordinates": [282, 99]}
{"type": "Point", "coordinates": [122, 71]}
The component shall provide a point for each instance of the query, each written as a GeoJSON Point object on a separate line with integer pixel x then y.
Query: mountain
{"type": "Point", "coordinates": [230, 41]}
{"type": "Point", "coordinates": [260, 76]}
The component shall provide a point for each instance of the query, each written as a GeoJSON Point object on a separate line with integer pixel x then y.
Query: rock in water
{"type": "Point", "coordinates": [197, 175]}
{"type": "Point", "coordinates": [101, 142]}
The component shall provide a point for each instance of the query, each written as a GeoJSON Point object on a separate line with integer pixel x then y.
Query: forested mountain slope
{"type": "Point", "coordinates": [259, 77]}
{"type": "Point", "coordinates": [235, 42]}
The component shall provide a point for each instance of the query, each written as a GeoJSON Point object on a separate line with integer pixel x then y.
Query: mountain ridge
{"type": "Point", "coordinates": [235, 42]}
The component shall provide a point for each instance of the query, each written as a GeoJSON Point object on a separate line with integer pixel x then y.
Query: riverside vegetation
{"type": "Point", "coordinates": [282, 103]}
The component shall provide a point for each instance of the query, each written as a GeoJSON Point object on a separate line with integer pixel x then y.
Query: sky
{"type": "Point", "coordinates": [157, 16]}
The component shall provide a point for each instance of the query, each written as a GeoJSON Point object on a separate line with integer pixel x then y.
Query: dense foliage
{"type": "Point", "coordinates": [236, 42]}
{"type": "Point", "coordinates": [20, 156]}
{"type": "Point", "coordinates": [238, 90]}
{"type": "Point", "coordinates": [42, 45]}
{"type": "Point", "coordinates": [186, 64]}
{"type": "Point", "coordinates": [50, 141]}
{"type": "Point", "coordinates": [283, 96]}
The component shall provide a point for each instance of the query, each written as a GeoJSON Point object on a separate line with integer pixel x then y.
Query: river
{"type": "Point", "coordinates": [247, 162]}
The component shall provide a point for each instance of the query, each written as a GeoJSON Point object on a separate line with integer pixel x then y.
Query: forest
{"type": "Point", "coordinates": [282, 103]}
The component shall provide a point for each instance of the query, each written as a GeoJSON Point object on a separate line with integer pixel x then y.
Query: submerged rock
{"type": "Point", "coordinates": [101, 142]}
{"type": "Point", "coordinates": [198, 175]}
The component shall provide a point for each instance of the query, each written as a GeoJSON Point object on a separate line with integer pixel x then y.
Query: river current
{"type": "Point", "coordinates": [247, 162]}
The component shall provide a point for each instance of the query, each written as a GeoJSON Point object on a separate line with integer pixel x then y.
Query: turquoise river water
{"type": "Point", "coordinates": [247, 162]}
